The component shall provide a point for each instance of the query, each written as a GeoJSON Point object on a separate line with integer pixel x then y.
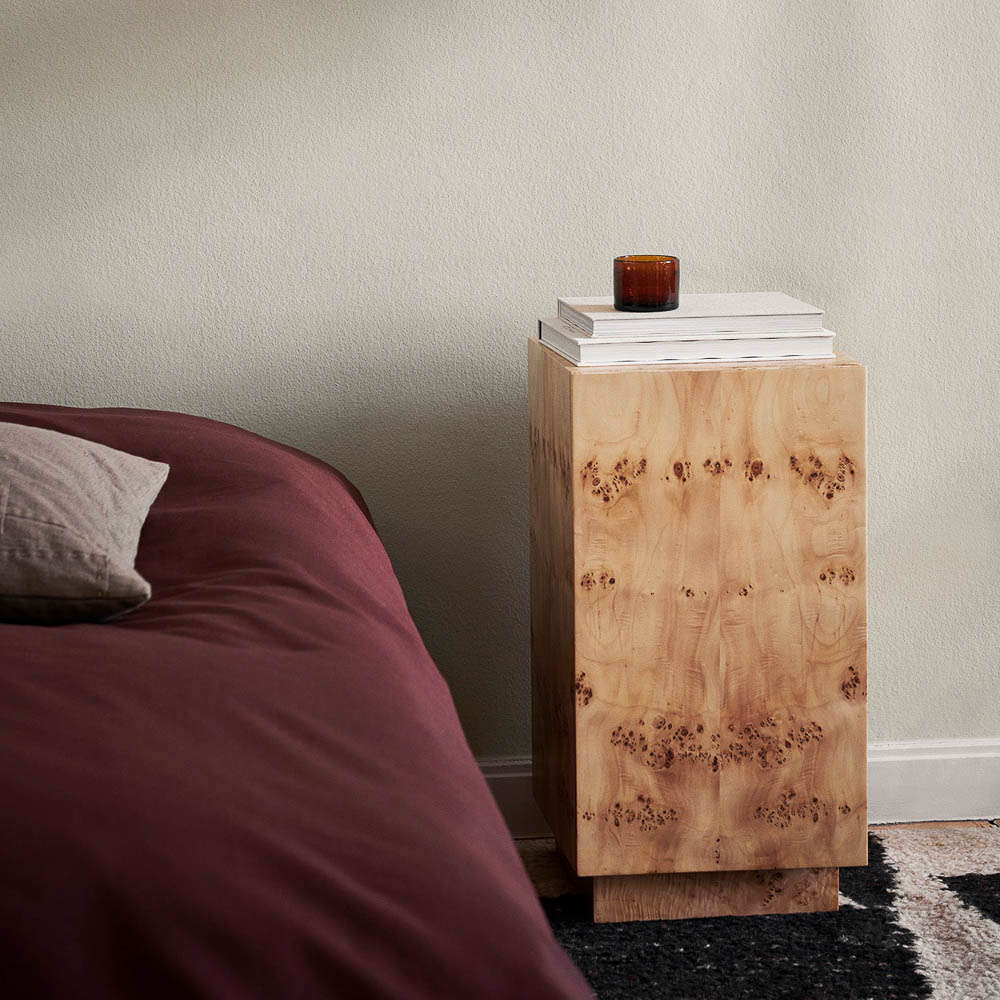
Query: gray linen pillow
{"type": "Point", "coordinates": [70, 516]}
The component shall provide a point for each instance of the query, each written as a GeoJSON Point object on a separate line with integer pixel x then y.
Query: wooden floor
{"type": "Point", "coordinates": [552, 876]}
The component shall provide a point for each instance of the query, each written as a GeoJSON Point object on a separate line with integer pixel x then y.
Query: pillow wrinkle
{"type": "Point", "coordinates": [26, 515]}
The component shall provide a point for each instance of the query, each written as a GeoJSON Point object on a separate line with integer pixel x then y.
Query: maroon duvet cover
{"type": "Point", "coordinates": [256, 785]}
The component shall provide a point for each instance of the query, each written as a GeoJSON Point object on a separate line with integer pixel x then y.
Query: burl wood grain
{"type": "Point", "coordinates": [714, 894]}
{"type": "Point", "coordinates": [553, 729]}
{"type": "Point", "coordinates": [718, 614]}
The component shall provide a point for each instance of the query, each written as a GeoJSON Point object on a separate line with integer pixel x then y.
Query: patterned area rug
{"type": "Point", "coordinates": [922, 920]}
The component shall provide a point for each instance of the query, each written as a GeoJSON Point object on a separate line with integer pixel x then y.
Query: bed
{"type": "Point", "coordinates": [255, 785]}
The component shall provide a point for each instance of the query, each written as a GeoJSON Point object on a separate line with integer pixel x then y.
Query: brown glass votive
{"type": "Point", "coordinates": [646, 282]}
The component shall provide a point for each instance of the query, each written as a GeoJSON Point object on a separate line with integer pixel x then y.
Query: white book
{"type": "Point", "coordinates": [716, 312]}
{"type": "Point", "coordinates": [567, 340]}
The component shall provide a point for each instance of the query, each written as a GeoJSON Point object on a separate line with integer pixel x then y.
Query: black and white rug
{"type": "Point", "coordinates": [922, 920]}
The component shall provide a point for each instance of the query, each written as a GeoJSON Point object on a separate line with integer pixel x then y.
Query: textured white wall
{"type": "Point", "coordinates": [334, 223]}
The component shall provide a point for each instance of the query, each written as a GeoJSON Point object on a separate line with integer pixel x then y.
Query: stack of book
{"type": "Point", "coordinates": [725, 326]}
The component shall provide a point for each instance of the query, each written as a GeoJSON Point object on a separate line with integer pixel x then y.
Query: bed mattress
{"type": "Point", "coordinates": [256, 785]}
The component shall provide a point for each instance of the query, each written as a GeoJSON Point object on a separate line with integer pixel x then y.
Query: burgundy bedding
{"type": "Point", "coordinates": [256, 785]}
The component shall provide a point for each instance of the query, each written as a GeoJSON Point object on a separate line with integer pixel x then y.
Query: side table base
{"type": "Point", "coordinates": [714, 894]}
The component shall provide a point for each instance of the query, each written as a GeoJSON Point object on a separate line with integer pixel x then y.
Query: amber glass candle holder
{"type": "Point", "coordinates": [646, 282]}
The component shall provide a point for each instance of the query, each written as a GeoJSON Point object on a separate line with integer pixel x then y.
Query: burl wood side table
{"type": "Point", "coordinates": [698, 631]}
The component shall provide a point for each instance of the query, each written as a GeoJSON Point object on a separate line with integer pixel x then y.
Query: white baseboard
{"type": "Point", "coordinates": [933, 779]}
{"type": "Point", "coordinates": [509, 779]}
{"type": "Point", "coordinates": [908, 782]}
